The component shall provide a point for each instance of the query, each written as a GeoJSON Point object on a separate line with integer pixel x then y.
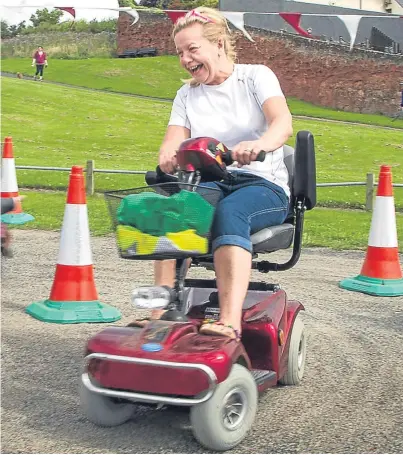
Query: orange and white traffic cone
{"type": "Point", "coordinates": [381, 273]}
{"type": "Point", "coordinates": [9, 186]}
{"type": "Point", "coordinates": [73, 297]}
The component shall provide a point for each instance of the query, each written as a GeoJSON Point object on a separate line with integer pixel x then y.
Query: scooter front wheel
{"type": "Point", "coordinates": [102, 410]}
{"type": "Point", "coordinates": [223, 421]}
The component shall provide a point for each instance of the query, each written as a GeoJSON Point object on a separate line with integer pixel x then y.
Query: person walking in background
{"type": "Point", "coordinates": [39, 59]}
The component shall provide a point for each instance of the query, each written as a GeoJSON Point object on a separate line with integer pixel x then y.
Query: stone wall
{"type": "Point", "coordinates": [310, 70]}
{"type": "Point", "coordinates": [152, 30]}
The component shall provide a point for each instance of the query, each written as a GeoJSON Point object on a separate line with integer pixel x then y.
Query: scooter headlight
{"type": "Point", "coordinates": [154, 297]}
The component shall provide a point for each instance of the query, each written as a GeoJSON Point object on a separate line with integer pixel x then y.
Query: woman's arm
{"type": "Point", "coordinates": [279, 119]}
{"type": "Point", "coordinates": [174, 136]}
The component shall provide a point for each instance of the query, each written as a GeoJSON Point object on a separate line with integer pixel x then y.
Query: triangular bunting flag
{"type": "Point", "coordinates": [351, 21]}
{"type": "Point", "coordinates": [174, 15]}
{"type": "Point", "coordinates": [294, 20]}
{"type": "Point", "coordinates": [237, 20]}
{"type": "Point", "coordinates": [68, 9]}
{"type": "Point", "coordinates": [134, 14]}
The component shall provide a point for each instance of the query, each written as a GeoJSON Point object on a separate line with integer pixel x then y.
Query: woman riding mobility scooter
{"type": "Point", "coordinates": [168, 362]}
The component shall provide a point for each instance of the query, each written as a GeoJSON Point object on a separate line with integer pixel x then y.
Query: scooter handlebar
{"type": "Point", "coordinates": [227, 158]}
{"type": "Point", "coordinates": [161, 177]}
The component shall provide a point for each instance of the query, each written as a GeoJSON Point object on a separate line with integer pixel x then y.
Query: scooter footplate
{"type": "Point", "coordinates": [263, 376]}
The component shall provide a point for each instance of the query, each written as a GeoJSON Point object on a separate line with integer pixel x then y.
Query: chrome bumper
{"type": "Point", "coordinates": [150, 398]}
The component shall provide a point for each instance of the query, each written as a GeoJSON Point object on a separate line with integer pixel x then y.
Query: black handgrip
{"type": "Point", "coordinates": [163, 177]}
{"type": "Point", "coordinates": [227, 158]}
{"type": "Point", "coordinates": [159, 176]}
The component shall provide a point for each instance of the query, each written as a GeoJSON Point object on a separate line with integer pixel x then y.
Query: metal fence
{"type": "Point", "coordinates": [90, 172]}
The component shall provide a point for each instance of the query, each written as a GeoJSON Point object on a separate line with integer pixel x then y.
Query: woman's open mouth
{"type": "Point", "coordinates": [195, 69]}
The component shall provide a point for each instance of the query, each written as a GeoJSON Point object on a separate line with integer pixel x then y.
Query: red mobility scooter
{"type": "Point", "coordinates": [168, 362]}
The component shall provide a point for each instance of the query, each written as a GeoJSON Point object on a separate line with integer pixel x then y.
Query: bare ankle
{"type": "Point", "coordinates": [156, 314]}
{"type": "Point", "coordinates": [230, 323]}
{"type": "Point", "coordinates": [164, 273]}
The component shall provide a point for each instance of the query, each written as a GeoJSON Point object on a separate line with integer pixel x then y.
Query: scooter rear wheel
{"type": "Point", "coordinates": [102, 410]}
{"type": "Point", "coordinates": [296, 354]}
{"type": "Point", "coordinates": [223, 421]}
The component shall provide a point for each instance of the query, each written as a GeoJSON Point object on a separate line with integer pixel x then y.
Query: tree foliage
{"type": "Point", "coordinates": [44, 16]}
{"type": "Point", "coordinates": [44, 21]}
{"type": "Point", "coordinates": [125, 3]}
{"type": "Point", "coordinates": [150, 3]}
{"type": "Point", "coordinates": [8, 31]}
{"type": "Point", "coordinates": [190, 4]}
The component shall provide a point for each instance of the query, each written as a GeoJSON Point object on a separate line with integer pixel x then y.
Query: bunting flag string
{"type": "Point", "coordinates": [72, 9]}
{"type": "Point", "coordinates": [237, 18]}
{"type": "Point", "coordinates": [293, 19]}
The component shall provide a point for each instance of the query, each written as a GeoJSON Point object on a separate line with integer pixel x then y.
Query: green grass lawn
{"type": "Point", "coordinates": [338, 229]}
{"type": "Point", "coordinates": [301, 108]}
{"type": "Point", "coordinates": [58, 126]}
{"type": "Point", "coordinates": [152, 76]}
{"type": "Point", "coordinates": [159, 77]}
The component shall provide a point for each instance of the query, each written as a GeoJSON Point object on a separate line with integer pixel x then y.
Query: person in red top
{"type": "Point", "coordinates": [39, 59]}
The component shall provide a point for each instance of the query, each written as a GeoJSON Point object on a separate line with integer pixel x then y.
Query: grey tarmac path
{"type": "Point", "coordinates": [349, 402]}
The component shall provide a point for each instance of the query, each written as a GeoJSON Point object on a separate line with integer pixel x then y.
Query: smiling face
{"type": "Point", "coordinates": [199, 56]}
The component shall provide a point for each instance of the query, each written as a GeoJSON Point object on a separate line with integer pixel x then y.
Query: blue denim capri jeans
{"type": "Point", "coordinates": [248, 203]}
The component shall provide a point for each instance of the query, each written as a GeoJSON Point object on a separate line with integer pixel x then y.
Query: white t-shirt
{"type": "Point", "coordinates": [232, 112]}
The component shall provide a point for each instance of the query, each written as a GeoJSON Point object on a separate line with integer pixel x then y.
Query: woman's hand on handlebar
{"type": "Point", "coordinates": [167, 161]}
{"type": "Point", "coordinates": [246, 152]}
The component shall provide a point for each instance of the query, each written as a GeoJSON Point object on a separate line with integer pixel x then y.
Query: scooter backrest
{"type": "Point", "coordinates": [289, 152]}
{"type": "Point", "coordinates": [304, 177]}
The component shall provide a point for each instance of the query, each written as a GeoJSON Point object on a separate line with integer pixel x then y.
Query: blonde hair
{"type": "Point", "coordinates": [215, 26]}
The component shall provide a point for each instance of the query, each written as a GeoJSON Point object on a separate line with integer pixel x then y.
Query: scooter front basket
{"type": "Point", "coordinates": [163, 221]}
